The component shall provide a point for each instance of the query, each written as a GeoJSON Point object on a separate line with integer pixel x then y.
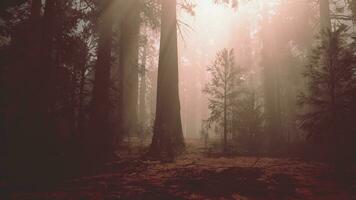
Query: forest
{"type": "Point", "coordinates": [177, 99]}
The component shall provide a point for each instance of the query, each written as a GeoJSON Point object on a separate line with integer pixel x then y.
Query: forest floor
{"type": "Point", "coordinates": [197, 176]}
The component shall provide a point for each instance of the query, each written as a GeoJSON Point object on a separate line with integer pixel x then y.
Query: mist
{"type": "Point", "coordinates": [177, 99]}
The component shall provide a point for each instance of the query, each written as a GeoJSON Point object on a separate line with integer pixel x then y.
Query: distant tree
{"type": "Point", "coordinates": [330, 81]}
{"type": "Point", "coordinates": [147, 82]}
{"type": "Point", "coordinates": [144, 43]}
{"type": "Point", "coordinates": [223, 90]}
{"type": "Point", "coordinates": [128, 65]}
{"type": "Point", "coordinates": [248, 122]}
{"type": "Point", "coordinates": [204, 133]}
{"type": "Point", "coordinates": [132, 16]}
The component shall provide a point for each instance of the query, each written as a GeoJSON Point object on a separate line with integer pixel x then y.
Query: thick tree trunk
{"type": "Point", "coordinates": [29, 111]}
{"type": "Point", "coordinates": [35, 10]}
{"type": "Point", "coordinates": [33, 42]}
{"type": "Point", "coordinates": [100, 137]}
{"type": "Point", "coordinates": [38, 84]}
{"type": "Point", "coordinates": [168, 139]}
{"type": "Point", "coordinates": [128, 59]}
{"type": "Point", "coordinates": [48, 79]}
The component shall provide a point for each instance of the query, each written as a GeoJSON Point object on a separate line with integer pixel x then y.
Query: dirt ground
{"type": "Point", "coordinates": [197, 176]}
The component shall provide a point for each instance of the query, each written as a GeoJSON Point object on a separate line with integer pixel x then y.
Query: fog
{"type": "Point", "coordinates": [177, 99]}
{"type": "Point", "coordinates": [211, 28]}
{"type": "Point", "coordinates": [196, 52]}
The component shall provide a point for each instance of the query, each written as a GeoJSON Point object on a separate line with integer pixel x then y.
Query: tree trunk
{"type": "Point", "coordinates": [100, 138]}
{"type": "Point", "coordinates": [167, 139]}
{"type": "Point", "coordinates": [128, 59]}
{"type": "Point", "coordinates": [271, 89]}
{"type": "Point", "coordinates": [30, 80]}
{"type": "Point", "coordinates": [35, 10]}
{"type": "Point", "coordinates": [143, 88]}
{"type": "Point", "coordinates": [225, 109]}
{"type": "Point", "coordinates": [48, 79]}
{"type": "Point", "coordinates": [325, 21]}
{"type": "Point", "coordinates": [80, 120]}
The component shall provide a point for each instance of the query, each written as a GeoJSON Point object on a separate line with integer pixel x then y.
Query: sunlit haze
{"type": "Point", "coordinates": [177, 99]}
{"type": "Point", "coordinates": [212, 28]}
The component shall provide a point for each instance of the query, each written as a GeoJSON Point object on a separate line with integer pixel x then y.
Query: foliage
{"type": "Point", "coordinates": [223, 87]}
{"type": "Point", "coordinates": [330, 76]}
{"type": "Point", "coordinates": [233, 3]}
{"type": "Point", "coordinates": [248, 121]}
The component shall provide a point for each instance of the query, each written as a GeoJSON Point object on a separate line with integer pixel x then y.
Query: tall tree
{"type": "Point", "coordinates": [168, 139]}
{"type": "Point", "coordinates": [128, 69]}
{"type": "Point", "coordinates": [100, 138]}
{"type": "Point", "coordinates": [329, 97]}
{"type": "Point", "coordinates": [143, 84]}
{"type": "Point", "coordinates": [271, 83]}
{"type": "Point", "coordinates": [29, 107]}
{"type": "Point", "coordinates": [222, 91]}
{"type": "Point", "coordinates": [49, 25]}
{"type": "Point", "coordinates": [19, 75]}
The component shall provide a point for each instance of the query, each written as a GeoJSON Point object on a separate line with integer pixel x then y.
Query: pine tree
{"type": "Point", "coordinates": [223, 90]}
{"type": "Point", "coordinates": [329, 97]}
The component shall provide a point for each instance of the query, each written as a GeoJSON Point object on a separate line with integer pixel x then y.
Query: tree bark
{"type": "Point", "coordinates": [225, 109]}
{"type": "Point", "coordinates": [48, 79]}
{"type": "Point", "coordinates": [143, 88]}
{"type": "Point", "coordinates": [128, 61]}
{"type": "Point", "coordinates": [100, 138]}
{"type": "Point", "coordinates": [80, 120]}
{"type": "Point", "coordinates": [272, 93]}
{"type": "Point", "coordinates": [167, 139]}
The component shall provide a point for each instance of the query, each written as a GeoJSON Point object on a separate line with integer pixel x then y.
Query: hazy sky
{"type": "Point", "coordinates": [211, 29]}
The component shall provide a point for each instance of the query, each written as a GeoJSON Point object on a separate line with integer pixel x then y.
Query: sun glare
{"type": "Point", "coordinates": [213, 22]}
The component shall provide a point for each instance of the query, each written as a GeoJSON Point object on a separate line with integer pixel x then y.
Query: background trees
{"type": "Point", "coordinates": [44, 90]}
{"type": "Point", "coordinates": [248, 123]}
{"type": "Point", "coordinates": [82, 73]}
{"type": "Point", "coordinates": [58, 98]}
{"type": "Point", "coordinates": [100, 145]}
